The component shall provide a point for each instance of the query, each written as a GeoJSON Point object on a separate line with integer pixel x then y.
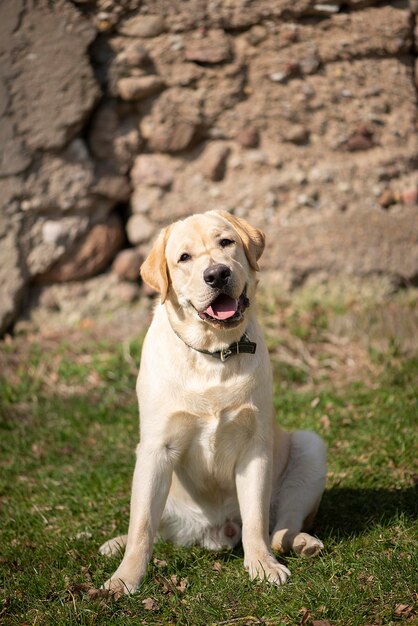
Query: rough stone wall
{"type": "Point", "coordinates": [119, 117]}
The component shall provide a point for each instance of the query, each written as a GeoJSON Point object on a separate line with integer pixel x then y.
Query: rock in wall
{"type": "Point", "coordinates": [118, 117]}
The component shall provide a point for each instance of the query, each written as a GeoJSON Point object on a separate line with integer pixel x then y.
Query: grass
{"type": "Point", "coordinates": [68, 429]}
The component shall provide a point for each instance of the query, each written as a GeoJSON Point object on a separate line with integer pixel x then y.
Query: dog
{"type": "Point", "coordinates": [212, 466]}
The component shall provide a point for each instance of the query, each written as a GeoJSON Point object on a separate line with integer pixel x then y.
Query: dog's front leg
{"type": "Point", "coordinates": [253, 481]}
{"type": "Point", "coordinates": [150, 486]}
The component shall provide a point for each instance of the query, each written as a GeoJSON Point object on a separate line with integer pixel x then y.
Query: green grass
{"type": "Point", "coordinates": [68, 429]}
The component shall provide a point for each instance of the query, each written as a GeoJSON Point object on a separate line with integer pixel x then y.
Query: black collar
{"type": "Point", "coordinates": [244, 345]}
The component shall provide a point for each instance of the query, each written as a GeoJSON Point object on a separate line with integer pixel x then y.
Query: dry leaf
{"type": "Point", "coordinates": [321, 622]}
{"type": "Point", "coordinates": [315, 402]}
{"type": "Point", "coordinates": [305, 615]}
{"type": "Point", "coordinates": [160, 563]}
{"type": "Point", "coordinates": [173, 585]}
{"type": "Point", "coordinates": [150, 604]}
{"type": "Point", "coordinates": [167, 585]}
{"type": "Point", "coordinates": [217, 566]}
{"type": "Point", "coordinates": [182, 585]}
{"type": "Point", "coordinates": [325, 422]}
{"type": "Point", "coordinates": [86, 573]}
{"type": "Point", "coordinates": [403, 609]}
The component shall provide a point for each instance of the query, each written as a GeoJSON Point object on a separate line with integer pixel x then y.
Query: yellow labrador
{"type": "Point", "coordinates": [212, 466]}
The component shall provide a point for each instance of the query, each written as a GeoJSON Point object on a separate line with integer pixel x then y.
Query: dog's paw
{"type": "Point", "coordinates": [113, 547]}
{"type": "Point", "coordinates": [267, 568]}
{"type": "Point", "coordinates": [301, 543]}
{"type": "Point", "coordinates": [306, 545]}
{"type": "Point", "coordinates": [114, 588]}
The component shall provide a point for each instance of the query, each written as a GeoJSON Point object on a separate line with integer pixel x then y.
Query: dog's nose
{"type": "Point", "coordinates": [217, 276]}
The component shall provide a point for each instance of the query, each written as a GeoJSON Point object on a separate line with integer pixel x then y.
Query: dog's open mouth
{"type": "Point", "coordinates": [224, 309]}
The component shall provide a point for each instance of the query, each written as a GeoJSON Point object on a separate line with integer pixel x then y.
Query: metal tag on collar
{"type": "Point", "coordinates": [225, 354]}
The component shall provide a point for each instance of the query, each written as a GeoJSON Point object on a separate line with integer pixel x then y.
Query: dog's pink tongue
{"type": "Point", "coordinates": [222, 308]}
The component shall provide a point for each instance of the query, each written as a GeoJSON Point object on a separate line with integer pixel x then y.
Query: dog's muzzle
{"type": "Point", "coordinates": [225, 309]}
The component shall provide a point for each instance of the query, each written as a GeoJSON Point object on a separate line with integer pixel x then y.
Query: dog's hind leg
{"type": "Point", "coordinates": [296, 499]}
{"type": "Point", "coordinates": [114, 547]}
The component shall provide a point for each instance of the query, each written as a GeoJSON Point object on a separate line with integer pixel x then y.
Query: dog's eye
{"type": "Point", "coordinates": [224, 243]}
{"type": "Point", "coordinates": [184, 257]}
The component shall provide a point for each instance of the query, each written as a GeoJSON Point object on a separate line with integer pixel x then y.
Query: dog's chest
{"type": "Point", "coordinates": [226, 427]}
{"type": "Point", "coordinates": [215, 442]}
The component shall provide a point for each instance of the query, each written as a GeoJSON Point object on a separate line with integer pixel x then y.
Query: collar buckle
{"type": "Point", "coordinates": [225, 353]}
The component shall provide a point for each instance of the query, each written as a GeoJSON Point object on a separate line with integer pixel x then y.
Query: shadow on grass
{"type": "Point", "coordinates": [344, 512]}
{"type": "Point", "coordinates": [347, 511]}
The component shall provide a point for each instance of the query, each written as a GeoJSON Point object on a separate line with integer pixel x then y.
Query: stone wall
{"type": "Point", "coordinates": [119, 117]}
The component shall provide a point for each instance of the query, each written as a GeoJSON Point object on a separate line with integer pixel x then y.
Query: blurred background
{"type": "Point", "coordinates": [120, 117]}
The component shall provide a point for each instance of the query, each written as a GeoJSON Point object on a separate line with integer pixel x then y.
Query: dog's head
{"type": "Point", "coordinates": [205, 266]}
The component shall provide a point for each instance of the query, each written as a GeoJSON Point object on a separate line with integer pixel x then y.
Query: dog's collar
{"type": "Point", "coordinates": [244, 345]}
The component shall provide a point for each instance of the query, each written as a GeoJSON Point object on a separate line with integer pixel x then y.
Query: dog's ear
{"type": "Point", "coordinates": [154, 270]}
{"type": "Point", "coordinates": [252, 238]}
